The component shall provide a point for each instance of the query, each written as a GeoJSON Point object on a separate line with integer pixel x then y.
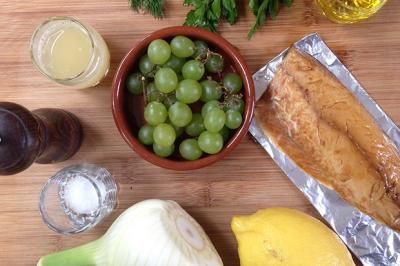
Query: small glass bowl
{"type": "Point", "coordinates": [77, 198]}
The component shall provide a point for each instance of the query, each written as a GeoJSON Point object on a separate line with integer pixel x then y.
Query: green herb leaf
{"type": "Point", "coordinates": [136, 4]}
{"type": "Point", "coordinates": [208, 13]}
{"type": "Point", "coordinates": [260, 18]}
{"type": "Point", "coordinates": [200, 12]}
{"type": "Point", "coordinates": [193, 2]}
{"type": "Point", "coordinates": [216, 8]}
{"type": "Point", "coordinates": [191, 19]}
{"type": "Point", "coordinates": [254, 5]}
{"type": "Point", "coordinates": [273, 8]}
{"type": "Point", "coordinates": [288, 3]}
{"type": "Point", "coordinates": [154, 7]}
{"type": "Point", "coordinates": [261, 11]}
{"type": "Point", "coordinates": [230, 11]}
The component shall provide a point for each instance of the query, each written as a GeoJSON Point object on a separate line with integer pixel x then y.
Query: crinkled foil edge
{"type": "Point", "coordinates": [372, 242]}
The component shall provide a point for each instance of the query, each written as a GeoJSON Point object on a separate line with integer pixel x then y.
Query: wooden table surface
{"type": "Point", "coordinates": [245, 181]}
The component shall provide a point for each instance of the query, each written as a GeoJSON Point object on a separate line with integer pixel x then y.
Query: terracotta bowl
{"type": "Point", "coordinates": [128, 109]}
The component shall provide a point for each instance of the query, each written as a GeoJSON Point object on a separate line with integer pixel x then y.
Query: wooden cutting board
{"type": "Point", "coordinates": [245, 181]}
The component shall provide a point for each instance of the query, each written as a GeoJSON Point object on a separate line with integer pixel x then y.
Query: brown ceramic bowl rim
{"type": "Point", "coordinates": [118, 89]}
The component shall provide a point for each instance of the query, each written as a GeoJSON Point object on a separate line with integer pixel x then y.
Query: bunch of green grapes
{"type": "Point", "coordinates": [172, 78]}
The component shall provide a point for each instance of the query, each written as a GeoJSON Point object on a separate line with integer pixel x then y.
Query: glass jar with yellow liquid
{"type": "Point", "coordinates": [70, 53]}
{"type": "Point", "coordinates": [349, 11]}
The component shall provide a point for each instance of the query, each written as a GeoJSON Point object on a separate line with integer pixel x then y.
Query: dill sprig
{"type": "Point", "coordinates": [154, 7]}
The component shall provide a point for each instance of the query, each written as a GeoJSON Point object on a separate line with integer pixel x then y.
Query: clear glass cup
{"type": "Point", "coordinates": [349, 11]}
{"type": "Point", "coordinates": [70, 53]}
{"type": "Point", "coordinates": [77, 198]}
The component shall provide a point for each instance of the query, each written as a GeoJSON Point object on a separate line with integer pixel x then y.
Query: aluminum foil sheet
{"type": "Point", "coordinates": [372, 242]}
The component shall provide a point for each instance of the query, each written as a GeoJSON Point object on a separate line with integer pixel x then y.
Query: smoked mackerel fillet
{"type": "Point", "coordinates": [323, 128]}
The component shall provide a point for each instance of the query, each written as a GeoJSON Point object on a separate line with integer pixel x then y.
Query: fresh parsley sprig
{"type": "Point", "coordinates": [262, 9]}
{"type": "Point", "coordinates": [208, 13]}
{"type": "Point", "coordinates": [154, 7]}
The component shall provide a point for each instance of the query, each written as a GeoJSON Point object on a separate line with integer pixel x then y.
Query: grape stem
{"type": "Point", "coordinates": [143, 80]}
{"type": "Point", "coordinates": [154, 70]}
{"type": "Point", "coordinates": [204, 59]}
{"type": "Point", "coordinates": [228, 95]}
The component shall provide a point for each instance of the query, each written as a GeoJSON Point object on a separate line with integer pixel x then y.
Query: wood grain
{"type": "Point", "coordinates": [242, 183]}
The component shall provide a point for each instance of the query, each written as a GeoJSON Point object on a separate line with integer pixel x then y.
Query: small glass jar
{"type": "Point", "coordinates": [77, 198]}
{"type": "Point", "coordinates": [70, 53]}
{"type": "Point", "coordinates": [349, 11]}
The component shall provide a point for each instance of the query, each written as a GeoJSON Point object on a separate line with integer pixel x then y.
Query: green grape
{"type": "Point", "coordinates": [151, 87]}
{"type": "Point", "coordinates": [190, 150]}
{"type": "Point", "coordinates": [193, 69]}
{"type": "Point", "coordinates": [215, 63]}
{"type": "Point", "coordinates": [182, 46]}
{"type": "Point", "coordinates": [146, 134]}
{"type": "Point", "coordinates": [170, 100]}
{"type": "Point", "coordinates": [146, 67]}
{"type": "Point", "coordinates": [233, 119]}
{"type": "Point", "coordinates": [225, 133]}
{"type": "Point", "coordinates": [153, 94]}
{"type": "Point", "coordinates": [180, 114]}
{"type": "Point", "coordinates": [163, 151]}
{"type": "Point", "coordinates": [155, 113]}
{"type": "Point", "coordinates": [166, 80]}
{"type": "Point", "coordinates": [211, 90]}
{"type": "Point", "coordinates": [234, 103]}
{"type": "Point", "coordinates": [178, 130]}
{"type": "Point", "coordinates": [209, 106]}
{"type": "Point", "coordinates": [159, 51]}
{"type": "Point", "coordinates": [164, 135]}
{"type": "Point", "coordinates": [188, 91]}
{"type": "Point", "coordinates": [135, 83]}
{"type": "Point", "coordinates": [201, 49]}
{"type": "Point", "coordinates": [233, 82]}
{"type": "Point", "coordinates": [214, 120]}
{"type": "Point", "coordinates": [175, 63]}
{"type": "Point", "coordinates": [210, 142]}
{"type": "Point", "coordinates": [196, 126]}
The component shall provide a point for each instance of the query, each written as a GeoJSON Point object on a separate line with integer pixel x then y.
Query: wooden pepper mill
{"type": "Point", "coordinates": [43, 136]}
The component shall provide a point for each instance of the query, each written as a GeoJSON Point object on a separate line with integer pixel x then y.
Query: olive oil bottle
{"type": "Point", "coordinates": [349, 11]}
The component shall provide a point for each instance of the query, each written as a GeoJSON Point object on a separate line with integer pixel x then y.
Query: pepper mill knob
{"type": "Point", "coordinates": [43, 136]}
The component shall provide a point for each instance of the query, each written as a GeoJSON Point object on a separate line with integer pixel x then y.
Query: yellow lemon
{"type": "Point", "coordinates": [282, 236]}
